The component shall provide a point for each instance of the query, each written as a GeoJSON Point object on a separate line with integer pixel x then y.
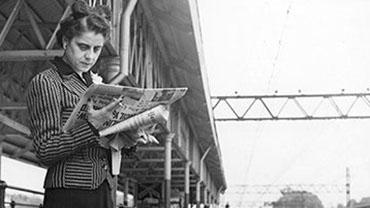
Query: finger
{"type": "Point", "coordinates": [152, 139]}
{"type": "Point", "coordinates": [90, 106]}
{"type": "Point", "coordinates": [141, 141]}
{"type": "Point", "coordinates": [113, 105]}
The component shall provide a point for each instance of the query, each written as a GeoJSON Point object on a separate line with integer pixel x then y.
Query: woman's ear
{"type": "Point", "coordinates": [64, 42]}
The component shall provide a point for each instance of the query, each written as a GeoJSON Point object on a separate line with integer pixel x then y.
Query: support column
{"type": "Point", "coordinates": [114, 189]}
{"type": "Point", "coordinates": [187, 173]}
{"type": "Point", "coordinates": [187, 183]}
{"type": "Point", "coordinates": [1, 157]}
{"type": "Point", "coordinates": [2, 183]}
{"type": "Point", "coordinates": [205, 195]}
{"type": "Point", "coordinates": [201, 174]}
{"type": "Point", "coordinates": [198, 194]}
{"type": "Point", "coordinates": [125, 193]}
{"type": "Point", "coordinates": [167, 173]}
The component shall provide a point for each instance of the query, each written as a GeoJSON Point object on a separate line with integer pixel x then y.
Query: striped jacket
{"type": "Point", "coordinates": [74, 159]}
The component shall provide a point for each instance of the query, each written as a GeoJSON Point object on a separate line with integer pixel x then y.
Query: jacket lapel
{"type": "Point", "coordinates": [69, 79]}
{"type": "Point", "coordinates": [74, 85]}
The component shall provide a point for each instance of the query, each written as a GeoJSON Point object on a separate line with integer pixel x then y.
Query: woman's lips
{"type": "Point", "coordinates": [86, 64]}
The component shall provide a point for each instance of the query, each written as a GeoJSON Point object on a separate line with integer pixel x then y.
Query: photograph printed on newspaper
{"type": "Point", "coordinates": [134, 101]}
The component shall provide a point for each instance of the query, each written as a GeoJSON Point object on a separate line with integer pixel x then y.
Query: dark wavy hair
{"type": "Point", "coordinates": [85, 18]}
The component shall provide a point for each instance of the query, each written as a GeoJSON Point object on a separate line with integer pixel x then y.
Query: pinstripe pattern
{"type": "Point", "coordinates": [74, 159]}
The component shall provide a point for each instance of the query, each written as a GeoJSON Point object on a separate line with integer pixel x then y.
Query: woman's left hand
{"type": "Point", "coordinates": [98, 117]}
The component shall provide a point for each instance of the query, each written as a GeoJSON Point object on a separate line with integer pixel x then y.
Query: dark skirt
{"type": "Point", "coordinates": [78, 198]}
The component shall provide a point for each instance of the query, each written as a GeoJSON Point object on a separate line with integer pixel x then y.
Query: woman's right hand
{"type": "Point", "coordinates": [98, 117]}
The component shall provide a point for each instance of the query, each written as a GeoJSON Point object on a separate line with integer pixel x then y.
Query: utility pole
{"type": "Point", "coordinates": [348, 188]}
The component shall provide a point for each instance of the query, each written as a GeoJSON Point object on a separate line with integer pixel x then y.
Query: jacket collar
{"type": "Point", "coordinates": [63, 68]}
{"type": "Point", "coordinates": [66, 72]}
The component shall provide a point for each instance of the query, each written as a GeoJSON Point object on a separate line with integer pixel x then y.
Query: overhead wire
{"type": "Point", "coordinates": [260, 127]}
{"type": "Point", "coordinates": [280, 43]}
{"type": "Point", "coordinates": [258, 131]}
{"type": "Point", "coordinates": [272, 75]}
{"type": "Point", "coordinates": [274, 64]}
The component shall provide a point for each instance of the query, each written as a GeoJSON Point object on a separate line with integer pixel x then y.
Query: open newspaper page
{"type": "Point", "coordinates": [134, 101]}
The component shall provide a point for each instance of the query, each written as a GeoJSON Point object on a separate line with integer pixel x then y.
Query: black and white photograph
{"type": "Point", "coordinates": [235, 104]}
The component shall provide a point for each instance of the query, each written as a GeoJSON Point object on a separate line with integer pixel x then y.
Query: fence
{"type": "Point", "coordinates": [12, 203]}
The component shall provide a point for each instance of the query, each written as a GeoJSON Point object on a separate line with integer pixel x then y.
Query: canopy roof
{"type": "Point", "coordinates": [22, 53]}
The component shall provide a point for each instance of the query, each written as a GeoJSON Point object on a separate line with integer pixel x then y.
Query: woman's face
{"type": "Point", "coordinates": [81, 52]}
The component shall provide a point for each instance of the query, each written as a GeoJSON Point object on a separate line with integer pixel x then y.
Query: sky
{"type": "Point", "coordinates": [257, 47]}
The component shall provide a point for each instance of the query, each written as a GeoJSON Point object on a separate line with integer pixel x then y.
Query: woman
{"type": "Point", "coordinates": [78, 173]}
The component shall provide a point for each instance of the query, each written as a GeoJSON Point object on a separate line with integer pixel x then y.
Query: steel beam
{"type": "Point", "coordinates": [52, 39]}
{"type": "Point", "coordinates": [250, 102]}
{"type": "Point", "coordinates": [10, 21]}
{"type": "Point", "coordinates": [29, 55]}
{"type": "Point", "coordinates": [15, 125]}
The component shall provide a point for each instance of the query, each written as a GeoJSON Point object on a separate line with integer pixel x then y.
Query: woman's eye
{"type": "Point", "coordinates": [96, 49]}
{"type": "Point", "coordinates": [83, 47]}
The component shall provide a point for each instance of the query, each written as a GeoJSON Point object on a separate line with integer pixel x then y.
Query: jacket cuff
{"type": "Point", "coordinates": [93, 129]}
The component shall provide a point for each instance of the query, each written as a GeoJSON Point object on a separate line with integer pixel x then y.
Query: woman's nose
{"type": "Point", "coordinates": [89, 54]}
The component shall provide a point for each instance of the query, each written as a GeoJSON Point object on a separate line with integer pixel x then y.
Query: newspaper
{"type": "Point", "coordinates": [156, 115]}
{"type": "Point", "coordinates": [134, 101]}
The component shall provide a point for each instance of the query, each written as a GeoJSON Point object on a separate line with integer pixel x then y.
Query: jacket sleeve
{"type": "Point", "coordinates": [50, 142]}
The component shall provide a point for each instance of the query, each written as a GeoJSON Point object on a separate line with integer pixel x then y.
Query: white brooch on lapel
{"type": "Point", "coordinates": [96, 79]}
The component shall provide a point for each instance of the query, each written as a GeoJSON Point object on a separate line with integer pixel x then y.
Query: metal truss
{"type": "Point", "coordinates": [44, 48]}
{"type": "Point", "coordinates": [277, 189]}
{"type": "Point", "coordinates": [292, 107]}
{"type": "Point", "coordinates": [263, 196]}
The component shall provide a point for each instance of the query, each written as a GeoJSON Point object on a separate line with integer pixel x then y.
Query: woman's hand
{"type": "Point", "coordinates": [98, 117]}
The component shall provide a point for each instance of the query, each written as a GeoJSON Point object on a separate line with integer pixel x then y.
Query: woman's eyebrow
{"type": "Point", "coordinates": [85, 44]}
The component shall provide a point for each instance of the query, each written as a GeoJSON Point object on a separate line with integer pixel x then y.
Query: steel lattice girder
{"type": "Point", "coordinates": [338, 106]}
